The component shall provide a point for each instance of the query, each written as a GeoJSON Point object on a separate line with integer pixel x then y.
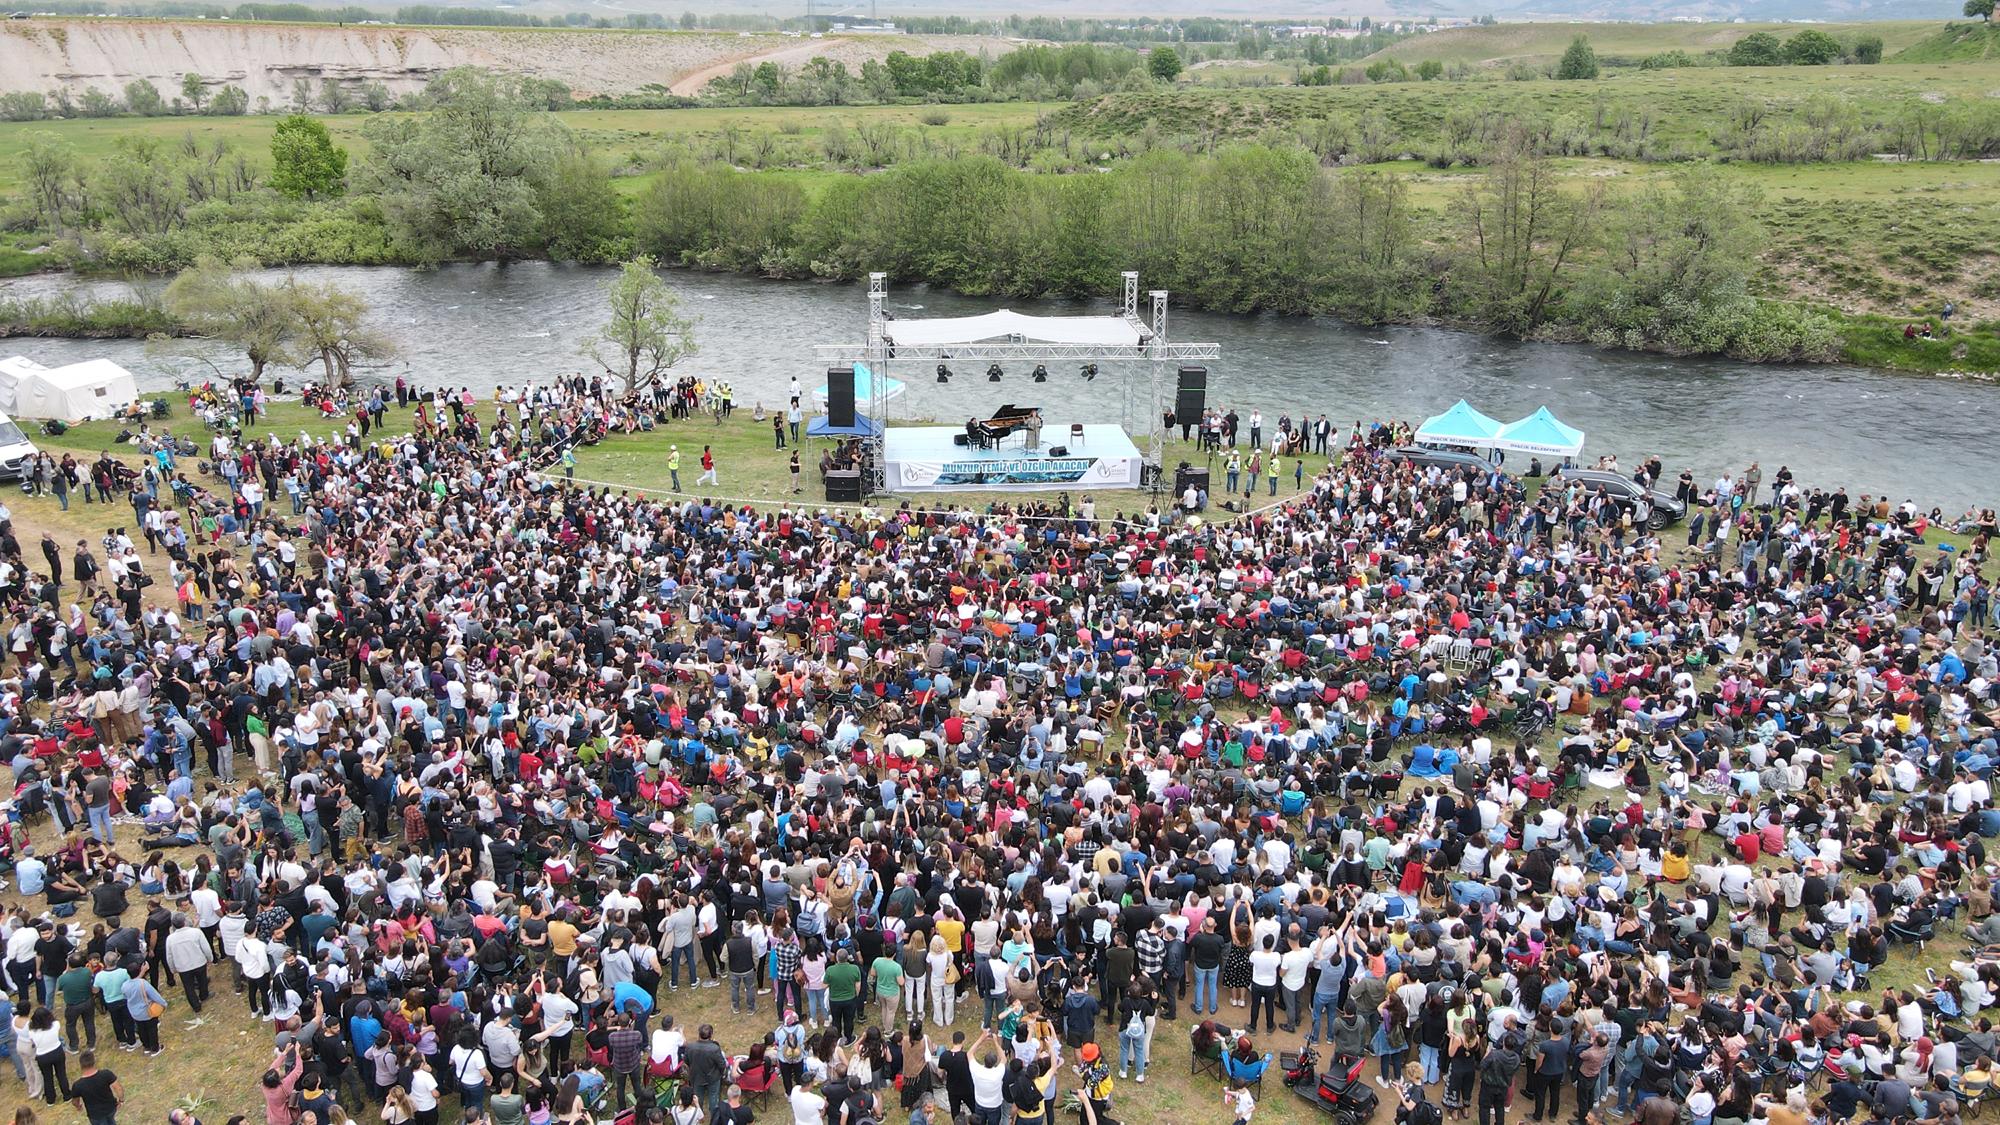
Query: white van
{"type": "Point", "coordinates": [15, 449]}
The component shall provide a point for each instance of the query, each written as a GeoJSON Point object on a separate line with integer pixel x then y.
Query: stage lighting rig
{"type": "Point", "coordinates": [993, 373]}
{"type": "Point", "coordinates": [1089, 372]}
{"type": "Point", "coordinates": [944, 374]}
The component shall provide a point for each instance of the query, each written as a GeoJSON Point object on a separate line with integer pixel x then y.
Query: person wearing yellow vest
{"type": "Point", "coordinates": [674, 465]}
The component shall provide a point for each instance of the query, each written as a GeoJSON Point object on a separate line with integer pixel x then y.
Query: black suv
{"type": "Point", "coordinates": [1425, 456]}
{"type": "Point", "coordinates": [1667, 508]}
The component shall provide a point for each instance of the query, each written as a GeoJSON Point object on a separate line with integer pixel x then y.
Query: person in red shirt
{"type": "Point", "coordinates": [1749, 845]}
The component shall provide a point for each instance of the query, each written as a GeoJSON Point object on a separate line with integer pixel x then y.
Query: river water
{"type": "Point", "coordinates": [1928, 439]}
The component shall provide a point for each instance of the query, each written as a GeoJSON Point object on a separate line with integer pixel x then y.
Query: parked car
{"type": "Point", "coordinates": [1667, 508]}
{"type": "Point", "coordinates": [1425, 456]}
{"type": "Point", "coordinates": [16, 451]}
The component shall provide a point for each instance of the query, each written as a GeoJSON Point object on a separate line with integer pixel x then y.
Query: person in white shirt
{"type": "Point", "coordinates": [1292, 969]}
{"type": "Point", "coordinates": [808, 1104]}
{"type": "Point", "coordinates": [989, 1073]}
{"type": "Point", "coordinates": [1264, 963]}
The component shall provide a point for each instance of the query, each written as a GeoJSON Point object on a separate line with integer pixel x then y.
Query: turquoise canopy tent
{"type": "Point", "coordinates": [864, 388]}
{"type": "Point", "coordinates": [1540, 432]}
{"type": "Point", "coordinates": [1461, 425]}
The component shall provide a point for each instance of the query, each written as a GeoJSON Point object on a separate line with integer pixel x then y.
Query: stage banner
{"type": "Point", "coordinates": [1029, 473]}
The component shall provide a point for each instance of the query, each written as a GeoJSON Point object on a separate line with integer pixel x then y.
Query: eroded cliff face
{"type": "Point", "coordinates": [265, 58]}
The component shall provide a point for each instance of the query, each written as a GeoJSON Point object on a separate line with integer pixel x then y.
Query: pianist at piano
{"type": "Point", "coordinates": [990, 433]}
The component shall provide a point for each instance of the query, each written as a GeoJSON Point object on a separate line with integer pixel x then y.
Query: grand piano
{"type": "Point", "coordinates": [990, 432]}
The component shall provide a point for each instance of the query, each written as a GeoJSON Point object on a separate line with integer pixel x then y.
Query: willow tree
{"type": "Point", "coordinates": [223, 301]}
{"type": "Point", "coordinates": [646, 332]}
{"type": "Point", "coordinates": [330, 325]}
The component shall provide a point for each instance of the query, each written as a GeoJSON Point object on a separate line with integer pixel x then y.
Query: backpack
{"type": "Point", "coordinates": [1425, 1112]}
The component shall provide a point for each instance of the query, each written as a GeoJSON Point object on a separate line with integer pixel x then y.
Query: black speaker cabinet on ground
{"type": "Point", "coordinates": [840, 396]}
{"type": "Point", "coordinates": [1058, 450]}
{"type": "Point", "coordinates": [843, 486]}
{"type": "Point", "coordinates": [1188, 475]}
{"type": "Point", "coordinates": [1191, 393]}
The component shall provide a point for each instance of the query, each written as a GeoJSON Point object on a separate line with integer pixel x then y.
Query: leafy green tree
{"type": "Point", "coordinates": [1675, 265]}
{"type": "Point", "coordinates": [23, 105]}
{"type": "Point", "coordinates": [330, 324]}
{"type": "Point", "coordinates": [230, 101]}
{"type": "Point", "coordinates": [334, 97]}
{"type": "Point", "coordinates": [1579, 62]}
{"type": "Point", "coordinates": [1812, 47]}
{"type": "Point", "coordinates": [143, 188]}
{"type": "Point", "coordinates": [49, 169]}
{"type": "Point", "coordinates": [218, 300]}
{"type": "Point", "coordinates": [194, 89]}
{"type": "Point", "coordinates": [460, 179]}
{"type": "Point", "coordinates": [305, 163]}
{"type": "Point", "coordinates": [1430, 70]}
{"type": "Point", "coordinates": [376, 96]}
{"type": "Point", "coordinates": [1981, 8]}
{"type": "Point", "coordinates": [645, 332]}
{"type": "Point", "coordinates": [582, 215]}
{"type": "Point", "coordinates": [766, 80]}
{"type": "Point", "coordinates": [302, 95]}
{"type": "Point", "coordinates": [1524, 237]}
{"type": "Point", "coordinates": [1164, 64]}
{"type": "Point", "coordinates": [1759, 48]}
{"type": "Point", "coordinates": [143, 98]}
{"type": "Point", "coordinates": [94, 102]}
{"type": "Point", "coordinates": [1868, 50]}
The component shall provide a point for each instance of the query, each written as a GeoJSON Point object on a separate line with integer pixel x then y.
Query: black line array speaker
{"type": "Point", "coordinates": [1191, 393]}
{"type": "Point", "coordinates": [840, 396]}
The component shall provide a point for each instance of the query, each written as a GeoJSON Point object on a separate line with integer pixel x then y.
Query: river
{"type": "Point", "coordinates": [1924, 438]}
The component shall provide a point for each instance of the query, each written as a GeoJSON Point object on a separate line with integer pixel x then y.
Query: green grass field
{"type": "Point", "coordinates": [616, 132]}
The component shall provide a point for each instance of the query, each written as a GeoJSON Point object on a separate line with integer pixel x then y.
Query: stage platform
{"type": "Point", "coordinates": [928, 459]}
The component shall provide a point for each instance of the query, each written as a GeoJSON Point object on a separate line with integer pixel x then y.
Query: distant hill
{"type": "Point", "coordinates": [1539, 43]}
{"type": "Point", "coordinates": [44, 55]}
{"type": "Point", "coordinates": [1954, 43]}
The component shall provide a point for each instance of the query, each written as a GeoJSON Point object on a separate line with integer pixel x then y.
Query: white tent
{"type": "Point", "coordinates": [78, 392]}
{"type": "Point", "coordinates": [944, 331]}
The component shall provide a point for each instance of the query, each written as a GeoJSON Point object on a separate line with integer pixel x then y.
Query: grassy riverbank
{"type": "Point", "coordinates": [1849, 200]}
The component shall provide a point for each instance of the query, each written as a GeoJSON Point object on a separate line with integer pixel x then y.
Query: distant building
{"type": "Point", "coordinates": [878, 27]}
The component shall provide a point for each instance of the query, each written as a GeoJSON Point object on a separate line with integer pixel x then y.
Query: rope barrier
{"type": "Point", "coordinates": [803, 502]}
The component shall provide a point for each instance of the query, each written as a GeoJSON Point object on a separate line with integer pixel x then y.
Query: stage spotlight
{"type": "Point", "coordinates": [1089, 373]}
{"type": "Point", "coordinates": [993, 373]}
{"type": "Point", "coordinates": [944, 373]}
{"type": "Point", "coordinates": [1041, 373]}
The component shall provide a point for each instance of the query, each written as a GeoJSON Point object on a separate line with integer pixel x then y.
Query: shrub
{"type": "Point", "coordinates": [934, 117]}
{"type": "Point", "coordinates": [1668, 60]}
{"type": "Point", "coordinates": [1812, 47]}
{"type": "Point", "coordinates": [1579, 62]}
{"type": "Point", "coordinates": [1759, 48]}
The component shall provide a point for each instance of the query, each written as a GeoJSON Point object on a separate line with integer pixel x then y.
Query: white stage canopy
{"type": "Point", "coordinates": [948, 331]}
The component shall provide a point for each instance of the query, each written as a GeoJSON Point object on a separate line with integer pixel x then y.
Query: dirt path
{"type": "Point", "coordinates": [792, 57]}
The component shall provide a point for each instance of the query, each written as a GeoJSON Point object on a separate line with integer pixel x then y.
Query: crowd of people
{"type": "Point", "coordinates": [473, 778]}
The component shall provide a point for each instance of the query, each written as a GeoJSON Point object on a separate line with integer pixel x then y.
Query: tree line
{"type": "Point", "coordinates": [489, 173]}
{"type": "Point", "coordinates": [1253, 228]}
